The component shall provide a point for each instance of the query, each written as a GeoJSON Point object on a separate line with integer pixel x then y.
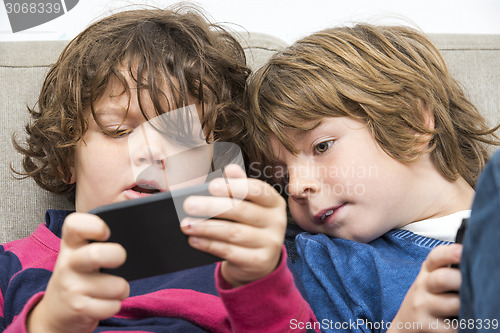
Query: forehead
{"type": "Point", "coordinates": [291, 140]}
{"type": "Point", "coordinates": [127, 99]}
{"type": "Point", "coordinates": [288, 142]}
{"type": "Point", "coordinates": [126, 79]}
{"type": "Point", "coordinates": [124, 89]}
{"type": "Point", "coordinates": [294, 132]}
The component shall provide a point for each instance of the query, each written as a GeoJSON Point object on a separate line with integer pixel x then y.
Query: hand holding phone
{"type": "Point", "coordinates": [247, 229]}
{"type": "Point", "coordinates": [149, 230]}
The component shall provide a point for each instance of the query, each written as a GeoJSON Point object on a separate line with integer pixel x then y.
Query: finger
{"type": "Point", "coordinates": [79, 228]}
{"type": "Point", "coordinates": [107, 286]}
{"type": "Point", "coordinates": [233, 184]}
{"type": "Point", "coordinates": [445, 305]}
{"type": "Point", "coordinates": [229, 187]}
{"type": "Point", "coordinates": [230, 232]}
{"type": "Point", "coordinates": [92, 257]}
{"type": "Point", "coordinates": [444, 280]}
{"type": "Point", "coordinates": [234, 171]}
{"type": "Point", "coordinates": [253, 190]}
{"type": "Point", "coordinates": [231, 209]}
{"type": "Point", "coordinates": [237, 255]}
{"type": "Point", "coordinates": [95, 308]}
{"type": "Point", "coordinates": [443, 256]}
{"type": "Point", "coordinates": [208, 207]}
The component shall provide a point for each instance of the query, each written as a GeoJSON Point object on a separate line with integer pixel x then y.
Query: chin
{"type": "Point", "coordinates": [306, 226]}
{"type": "Point", "coordinates": [362, 238]}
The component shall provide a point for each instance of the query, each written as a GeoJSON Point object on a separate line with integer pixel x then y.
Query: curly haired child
{"type": "Point", "coordinates": [113, 77]}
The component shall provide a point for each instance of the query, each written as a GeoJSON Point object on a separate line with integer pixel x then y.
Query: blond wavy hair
{"type": "Point", "coordinates": [390, 77]}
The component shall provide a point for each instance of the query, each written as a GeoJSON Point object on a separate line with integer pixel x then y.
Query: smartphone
{"type": "Point", "coordinates": [149, 230]}
{"type": "Point", "coordinates": [460, 236]}
{"type": "Point", "coordinates": [461, 231]}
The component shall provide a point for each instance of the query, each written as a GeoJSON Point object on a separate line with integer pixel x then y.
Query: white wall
{"type": "Point", "coordinates": [290, 19]}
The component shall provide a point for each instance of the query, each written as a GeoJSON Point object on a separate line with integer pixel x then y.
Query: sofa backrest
{"type": "Point", "coordinates": [473, 59]}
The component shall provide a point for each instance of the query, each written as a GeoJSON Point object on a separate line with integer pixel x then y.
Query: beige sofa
{"type": "Point", "coordinates": [473, 59]}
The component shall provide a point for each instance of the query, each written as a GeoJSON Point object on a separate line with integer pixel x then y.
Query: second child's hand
{"type": "Point", "coordinates": [433, 296]}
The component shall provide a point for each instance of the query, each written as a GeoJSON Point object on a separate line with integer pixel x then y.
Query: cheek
{"type": "Point", "coordinates": [98, 159]}
{"type": "Point", "coordinates": [368, 178]}
{"type": "Point", "coordinates": [300, 216]}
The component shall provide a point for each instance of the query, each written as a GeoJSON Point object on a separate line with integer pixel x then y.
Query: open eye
{"type": "Point", "coordinates": [323, 146]}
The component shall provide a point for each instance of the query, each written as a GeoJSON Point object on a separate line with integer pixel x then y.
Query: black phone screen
{"type": "Point", "coordinates": [149, 230]}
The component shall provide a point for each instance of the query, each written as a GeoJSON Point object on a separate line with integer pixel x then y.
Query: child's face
{"type": "Point", "coordinates": [341, 183]}
{"type": "Point", "coordinates": [106, 169]}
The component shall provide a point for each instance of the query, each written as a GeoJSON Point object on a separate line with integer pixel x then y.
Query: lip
{"type": "Point", "coordinates": [329, 215]}
{"type": "Point", "coordinates": [130, 193]}
{"type": "Point", "coordinates": [150, 183]}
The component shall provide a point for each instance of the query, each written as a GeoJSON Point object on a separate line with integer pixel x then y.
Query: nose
{"type": "Point", "coordinates": [303, 180]}
{"type": "Point", "coordinates": [147, 147]}
{"type": "Point", "coordinates": [149, 156]}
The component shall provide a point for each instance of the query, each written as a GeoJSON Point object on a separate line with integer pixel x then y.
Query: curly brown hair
{"type": "Point", "coordinates": [389, 77]}
{"type": "Point", "coordinates": [178, 46]}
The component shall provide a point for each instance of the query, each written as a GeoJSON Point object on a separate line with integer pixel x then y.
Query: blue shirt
{"type": "Point", "coordinates": [357, 287]}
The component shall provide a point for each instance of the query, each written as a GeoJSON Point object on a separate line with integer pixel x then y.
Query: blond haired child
{"type": "Point", "coordinates": [378, 150]}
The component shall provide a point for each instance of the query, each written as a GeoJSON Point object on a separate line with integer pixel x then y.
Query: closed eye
{"type": "Point", "coordinates": [116, 133]}
{"type": "Point", "coordinates": [122, 133]}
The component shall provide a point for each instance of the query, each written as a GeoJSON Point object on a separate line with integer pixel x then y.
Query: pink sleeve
{"type": "Point", "coordinates": [270, 304]}
{"type": "Point", "coordinates": [18, 325]}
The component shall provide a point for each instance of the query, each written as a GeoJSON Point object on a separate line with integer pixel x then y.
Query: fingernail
{"type": "Point", "coordinates": [186, 222]}
{"type": "Point", "coordinates": [107, 233]}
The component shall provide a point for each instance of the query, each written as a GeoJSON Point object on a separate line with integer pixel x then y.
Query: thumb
{"type": "Point", "coordinates": [443, 256]}
{"type": "Point", "coordinates": [234, 171]}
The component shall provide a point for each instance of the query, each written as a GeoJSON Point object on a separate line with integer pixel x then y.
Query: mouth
{"type": "Point", "coordinates": [142, 189]}
{"type": "Point", "coordinates": [145, 189]}
{"type": "Point", "coordinates": [327, 214]}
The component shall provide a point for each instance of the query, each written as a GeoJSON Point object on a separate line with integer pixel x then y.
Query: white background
{"type": "Point", "coordinates": [289, 19]}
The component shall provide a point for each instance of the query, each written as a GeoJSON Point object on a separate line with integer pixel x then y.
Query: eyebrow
{"type": "Point", "coordinates": [111, 109]}
{"type": "Point", "coordinates": [300, 135]}
{"type": "Point", "coordinates": [296, 136]}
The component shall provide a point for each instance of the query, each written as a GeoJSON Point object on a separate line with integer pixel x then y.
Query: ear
{"type": "Point", "coordinates": [428, 117]}
{"type": "Point", "coordinates": [73, 176]}
{"type": "Point", "coordinates": [72, 179]}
